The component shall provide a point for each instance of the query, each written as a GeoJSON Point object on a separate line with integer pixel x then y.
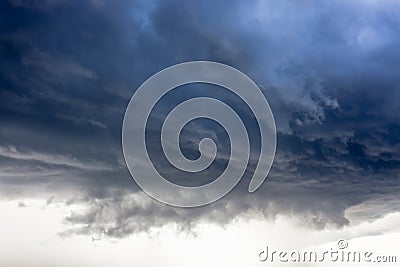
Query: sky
{"type": "Point", "coordinates": [329, 70]}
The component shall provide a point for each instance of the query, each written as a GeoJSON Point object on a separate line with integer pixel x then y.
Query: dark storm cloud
{"type": "Point", "coordinates": [328, 69]}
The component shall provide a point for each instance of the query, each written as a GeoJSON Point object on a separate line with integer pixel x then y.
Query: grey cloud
{"type": "Point", "coordinates": [12, 153]}
{"type": "Point", "coordinates": [328, 69]}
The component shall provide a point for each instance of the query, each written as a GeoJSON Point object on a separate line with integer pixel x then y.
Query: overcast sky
{"type": "Point", "coordinates": [329, 70]}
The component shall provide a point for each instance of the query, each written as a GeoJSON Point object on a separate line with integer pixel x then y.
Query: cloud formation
{"type": "Point", "coordinates": [327, 68]}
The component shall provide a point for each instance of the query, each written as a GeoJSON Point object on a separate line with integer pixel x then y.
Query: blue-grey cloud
{"type": "Point", "coordinates": [328, 69]}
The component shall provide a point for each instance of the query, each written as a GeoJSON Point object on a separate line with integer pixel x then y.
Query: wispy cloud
{"type": "Point", "coordinates": [12, 152]}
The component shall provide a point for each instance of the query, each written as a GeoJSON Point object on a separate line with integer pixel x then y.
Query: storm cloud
{"type": "Point", "coordinates": [328, 69]}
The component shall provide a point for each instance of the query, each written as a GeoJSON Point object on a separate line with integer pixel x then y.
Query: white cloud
{"type": "Point", "coordinates": [32, 230]}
